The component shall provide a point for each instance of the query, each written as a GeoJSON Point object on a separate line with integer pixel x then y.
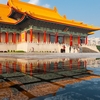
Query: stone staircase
{"type": "Point", "coordinates": [88, 50]}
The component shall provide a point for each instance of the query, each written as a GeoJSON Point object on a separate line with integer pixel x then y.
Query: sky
{"type": "Point", "coordinates": [87, 11]}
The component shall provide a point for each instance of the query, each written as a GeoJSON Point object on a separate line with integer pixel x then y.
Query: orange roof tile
{"type": "Point", "coordinates": [4, 12]}
{"type": "Point", "coordinates": [46, 14]}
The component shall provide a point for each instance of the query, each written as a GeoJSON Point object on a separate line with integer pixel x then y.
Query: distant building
{"type": "Point", "coordinates": [93, 41]}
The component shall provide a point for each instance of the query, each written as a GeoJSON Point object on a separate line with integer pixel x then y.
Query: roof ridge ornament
{"type": "Point", "coordinates": [65, 16]}
{"type": "Point", "coordinates": [55, 9]}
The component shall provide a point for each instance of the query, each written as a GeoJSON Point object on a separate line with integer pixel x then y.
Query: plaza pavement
{"type": "Point", "coordinates": [49, 55]}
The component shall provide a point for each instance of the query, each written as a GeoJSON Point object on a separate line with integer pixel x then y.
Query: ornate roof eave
{"type": "Point", "coordinates": [7, 23]}
{"type": "Point", "coordinates": [13, 9]}
{"type": "Point", "coordinates": [90, 33]}
{"type": "Point", "coordinates": [20, 20]}
{"type": "Point", "coordinates": [66, 22]}
{"type": "Point", "coordinates": [90, 29]}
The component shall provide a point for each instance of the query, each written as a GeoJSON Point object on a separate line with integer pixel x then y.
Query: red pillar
{"type": "Point", "coordinates": [25, 36]}
{"type": "Point", "coordinates": [86, 40]}
{"type": "Point", "coordinates": [38, 37]}
{"type": "Point", "coordinates": [78, 40]}
{"type": "Point", "coordinates": [44, 68]}
{"type": "Point", "coordinates": [31, 35]}
{"type": "Point", "coordinates": [56, 38]}
{"type": "Point", "coordinates": [14, 37]}
{"type": "Point", "coordinates": [44, 37]}
{"type": "Point", "coordinates": [6, 37]}
{"type": "Point", "coordinates": [71, 40]}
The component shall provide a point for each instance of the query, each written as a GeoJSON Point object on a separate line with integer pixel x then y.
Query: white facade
{"type": "Point", "coordinates": [93, 41]}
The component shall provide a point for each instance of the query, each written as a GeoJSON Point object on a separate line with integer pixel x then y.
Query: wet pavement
{"type": "Point", "coordinates": [50, 79]}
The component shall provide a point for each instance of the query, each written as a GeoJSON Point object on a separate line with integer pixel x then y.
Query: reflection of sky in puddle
{"type": "Point", "coordinates": [49, 79]}
{"type": "Point", "coordinates": [95, 70]}
{"type": "Point", "coordinates": [85, 90]}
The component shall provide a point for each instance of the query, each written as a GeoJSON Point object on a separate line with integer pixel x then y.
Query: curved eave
{"type": "Point", "coordinates": [55, 20]}
{"type": "Point", "coordinates": [90, 33]}
{"type": "Point", "coordinates": [64, 23]}
{"type": "Point", "coordinates": [16, 22]}
{"type": "Point", "coordinates": [22, 19]}
{"type": "Point", "coordinates": [11, 12]}
{"type": "Point", "coordinates": [7, 22]}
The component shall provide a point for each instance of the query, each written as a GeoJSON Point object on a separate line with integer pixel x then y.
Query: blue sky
{"type": "Point", "coordinates": [87, 11]}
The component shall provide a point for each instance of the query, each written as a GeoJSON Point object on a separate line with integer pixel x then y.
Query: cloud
{"type": "Point", "coordinates": [3, 1]}
{"type": "Point", "coordinates": [37, 2]}
{"type": "Point", "coordinates": [34, 2]}
{"type": "Point", "coordinates": [46, 5]}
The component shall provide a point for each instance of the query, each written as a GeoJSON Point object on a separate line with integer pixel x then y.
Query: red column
{"type": "Point", "coordinates": [38, 37]}
{"type": "Point", "coordinates": [14, 37]}
{"type": "Point", "coordinates": [49, 38]}
{"type": "Point", "coordinates": [78, 40]}
{"type": "Point", "coordinates": [86, 40]}
{"type": "Point", "coordinates": [25, 36]}
{"type": "Point", "coordinates": [56, 38]}
{"type": "Point", "coordinates": [44, 37]}
{"type": "Point", "coordinates": [6, 37]}
{"type": "Point", "coordinates": [0, 37]}
{"type": "Point", "coordinates": [44, 68]}
{"type": "Point", "coordinates": [31, 35]}
{"type": "Point", "coordinates": [71, 40]}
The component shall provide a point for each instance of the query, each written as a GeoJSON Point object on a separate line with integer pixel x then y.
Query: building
{"type": "Point", "coordinates": [94, 41]}
{"type": "Point", "coordinates": [28, 27]}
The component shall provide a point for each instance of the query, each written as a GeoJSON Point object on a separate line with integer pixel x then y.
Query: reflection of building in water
{"type": "Point", "coordinates": [33, 78]}
{"type": "Point", "coordinates": [93, 62]}
{"type": "Point", "coordinates": [44, 65]}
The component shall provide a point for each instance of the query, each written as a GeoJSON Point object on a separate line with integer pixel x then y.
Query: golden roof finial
{"type": "Point", "coordinates": [65, 16]}
{"type": "Point", "coordinates": [55, 9]}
